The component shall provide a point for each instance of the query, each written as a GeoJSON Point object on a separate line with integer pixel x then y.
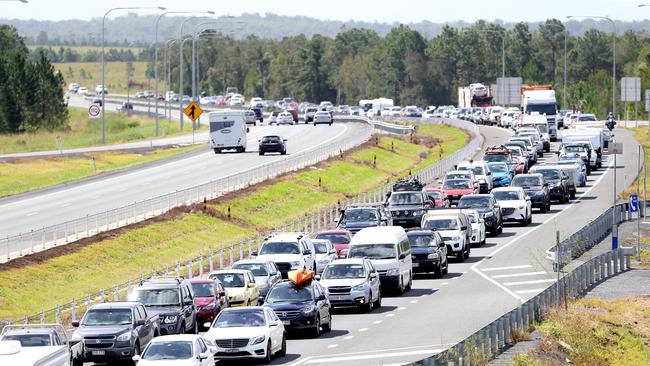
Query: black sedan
{"type": "Point", "coordinates": [536, 188]}
{"type": "Point", "coordinates": [488, 208]}
{"type": "Point", "coordinates": [428, 252]}
{"type": "Point", "coordinates": [273, 144]}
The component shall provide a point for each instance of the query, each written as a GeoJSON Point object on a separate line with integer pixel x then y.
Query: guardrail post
{"type": "Point", "coordinates": [508, 328]}
{"type": "Point", "coordinates": [201, 265]}
{"type": "Point", "coordinates": [211, 260]}
{"type": "Point", "coordinates": [178, 269]}
{"type": "Point", "coordinates": [220, 258]}
{"type": "Point", "coordinates": [42, 317]}
{"type": "Point", "coordinates": [603, 266]}
{"type": "Point", "coordinates": [494, 347]}
{"type": "Point", "coordinates": [608, 257]}
{"type": "Point", "coordinates": [189, 269]}
{"type": "Point", "coordinates": [116, 295]}
{"type": "Point", "coordinates": [532, 309]}
{"type": "Point", "coordinates": [73, 310]}
{"type": "Point", "coordinates": [621, 260]}
{"type": "Point", "coordinates": [232, 249]}
{"type": "Point", "coordinates": [241, 250]}
{"type": "Point", "coordinates": [31, 243]}
{"type": "Point", "coordinates": [313, 229]}
{"type": "Point", "coordinates": [88, 300]}
{"type": "Point", "coordinates": [101, 295]}
{"type": "Point", "coordinates": [628, 262]}
{"type": "Point", "coordinates": [166, 270]}
{"type": "Point", "coordinates": [519, 321]}
{"type": "Point", "coordinates": [525, 316]}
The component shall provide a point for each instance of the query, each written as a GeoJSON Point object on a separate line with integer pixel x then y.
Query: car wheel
{"type": "Point", "coordinates": [460, 256]}
{"type": "Point", "coordinates": [446, 269]}
{"type": "Point", "coordinates": [437, 273]}
{"type": "Point", "coordinates": [573, 195]}
{"type": "Point", "coordinates": [261, 153]}
{"type": "Point", "coordinates": [409, 285]}
{"type": "Point", "coordinates": [328, 327]}
{"type": "Point", "coordinates": [524, 222]}
{"type": "Point", "coordinates": [500, 229]}
{"type": "Point", "coordinates": [284, 152]}
{"type": "Point", "coordinates": [269, 355]}
{"type": "Point", "coordinates": [377, 303]}
{"type": "Point", "coordinates": [368, 306]}
{"type": "Point", "coordinates": [283, 351]}
{"type": "Point", "coordinates": [195, 329]}
{"type": "Point", "coordinates": [544, 208]}
{"type": "Point", "coordinates": [136, 352]}
{"type": "Point", "coordinates": [316, 331]}
{"type": "Point", "coordinates": [77, 362]}
{"type": "Point", "coordinates": [400, 287]}
{"type": "Point", "coordinates": [469, 249]}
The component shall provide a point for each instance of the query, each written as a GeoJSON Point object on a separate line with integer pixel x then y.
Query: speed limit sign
{"type": "Point", "coordinates": [94, 111]}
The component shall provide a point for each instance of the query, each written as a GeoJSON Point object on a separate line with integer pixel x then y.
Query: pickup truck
{"type": "Point", "coordinates": [113, 331]}
{"type": "Point", "coordinates": [39, 344]}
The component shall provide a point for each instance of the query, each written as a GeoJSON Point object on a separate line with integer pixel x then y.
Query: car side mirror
{"type": "Point", "coordinates": [317, 277]}
{"type": "Point", "coordinates": [188, 302]}
{"type": "Point", "coordinates": [333, 251]}
{"type": "Point", "coordinates": [222, 293]}
{"type": "Point", "coordinates": [140, 322]}
{"type": "Point", "coordinates": [252, 285]}
{"type": "Point", "coordinates": [307, 252]}
{"type": "Point", "coordinates": [373, 275]}
{"type": "Point", "coordinates": [285, 140]}
{"type": "Point", "coordinates": [275, 323]}
{"type": "Point", "coordinates": [136, 358]}
{"type": "Point", "coordinates": [75, 323]}
{"type": "Point", "coordinates": [527, 198]}
{"type": "Point", "coordinates": [248, 129]}
{"type": "Point", "coordinates": [545, 184]}
{"type": "Point", "coordinates": [402, 256]}
{"type": "Point", "coordinates": [489, 173]}
{"type": "Point", "coordinates": [463, 228]}
{"type": "Point", "coordinates": [203, 356]}
{"type": "Point", "coordinates": [254, 253]}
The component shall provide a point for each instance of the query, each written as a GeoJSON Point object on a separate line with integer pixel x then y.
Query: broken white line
{"type": "Point", "coordinates": [524, 274]}
{"type": "Point", "coordinates": [505, 268]}
{"type": "Point", "coordinates": [528, 282]}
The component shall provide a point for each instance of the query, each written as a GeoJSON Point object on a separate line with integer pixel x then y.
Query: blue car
{"type": "Point", "coordinates": [501, 174]}
{"type": "Point", "coordinates": [580, 166]}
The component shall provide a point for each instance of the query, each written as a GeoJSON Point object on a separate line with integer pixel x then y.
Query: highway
{"type": "Point", "coordinates": [437, 313]}
{"type": "Point", "coordinates": [35, 210]}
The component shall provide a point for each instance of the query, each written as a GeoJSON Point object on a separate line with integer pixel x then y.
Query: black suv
{"type": "Point", "coordinates": [273, 144]}
{"type": "Point", "coordinates": [258, 114]}
{"type": "Point", "coordinates": [301, 307]}
{"type": "Point", "coordinates": [354, 219]}
{"type": "Point", "coordinates": [428, 252]}
{"type": "Point", "coordinates": [172, 300]}
{"type": "Point", "coordinates": [113, 331]}
{"type": "Point", "coordinates": [488, 208]}
{"type": "Point", "coordinates": [536, 188]}
{"type": "Point", "coordinates": [558, 182]}
{"type": "Point", "coordinates": [407, 203]}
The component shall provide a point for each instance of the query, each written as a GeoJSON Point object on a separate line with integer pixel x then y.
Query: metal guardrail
{"type": "Point", "coordinates": [208, 261]}
{"type": "Point", "coordinates": [489, 341]}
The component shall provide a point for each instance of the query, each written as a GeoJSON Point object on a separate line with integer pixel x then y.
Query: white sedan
{"type": "Point", "coordinates": [322, 117]}
{"type": "Point", "coordinates": [478, 234]}
{"type": "Point", "coordinates": [284, 118]}
{"type": "Point", "coordinates": [325, 253]}
{"type": "Point", "coordinates": [247, 332]}
{"type": "Point", "coordinates": [515, 205]}
{"type": "Point", "coordinates": [178, 349]}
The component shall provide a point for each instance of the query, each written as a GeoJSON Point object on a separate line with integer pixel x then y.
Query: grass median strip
{"type": "Point", "coordinates": [30, 288]}
{"type": "Point", "coordinates": [24, 175]}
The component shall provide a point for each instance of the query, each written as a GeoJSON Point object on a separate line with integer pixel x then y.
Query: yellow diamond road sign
{"type": "Point", "coordinates": [193, 111]}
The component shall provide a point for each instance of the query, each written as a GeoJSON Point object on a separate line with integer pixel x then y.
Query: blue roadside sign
{"type": "Point", "coordinates": [634, 203]}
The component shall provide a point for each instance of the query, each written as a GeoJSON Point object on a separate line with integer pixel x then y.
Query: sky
{"type": "Point", "coordinates": [403, 11]}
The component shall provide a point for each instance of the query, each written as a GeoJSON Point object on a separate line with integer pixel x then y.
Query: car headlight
{"type": "Point", "coordinates": [308, 309]}
{"type": "Point", "coordinates": [488, 214]}
{"type": "Point", "coordinates": [124, 337]}
{"type": "Point", "coordinates": [295, 265]}
{"type": "Point", "coordinates": [210, 306]}
{"type": "Point", "coordinates": [540, 193]}
{"type": "Point", "coordinates": [359, 287]}
{"type": "Point", "coordinates": [258, 340]}
{"type": "Point", "coordinates": [482, 181]}
{"type": "Point", "coordinates": [75, 337]}
{"type": "Point", "coordinates": [323, 260]}
{"type": "Point", "coordinates": [170, 319]}
{"type": "Point", "coordinates": [455, 238]}
{"type": "Point", "coordinates": [417, 212]}
{"type": "Point", "coordinates": [521, 207]}
{"type": "Point", "coordinates": [432, 256]}
{"type": "Point", "coordinates": [392, 272]}
{"type": "Point", "coordinates": [238, 297]}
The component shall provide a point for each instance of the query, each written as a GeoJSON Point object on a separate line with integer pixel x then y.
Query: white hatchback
{"type": "Point", "coordinates": [177, 349]}
{"type": "Point", "coordinates": [515, 205]}
{"type": "Point", "coordinates": [284, 118]}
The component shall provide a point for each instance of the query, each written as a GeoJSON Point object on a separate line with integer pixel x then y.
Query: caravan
{"type": "Point", "coordinates": [227, 131]}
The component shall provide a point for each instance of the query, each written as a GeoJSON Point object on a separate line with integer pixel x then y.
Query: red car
{"type": "Point", "coordinates": [438, 196]}
{"type": "Point", "coordinates": [340, 238]}
{"type": "Point", "coordinates": [454, 189]}
{"type": "Point", "coordinates": [294, 114]}
{"type": "Point", "coordinates": [210, 298]}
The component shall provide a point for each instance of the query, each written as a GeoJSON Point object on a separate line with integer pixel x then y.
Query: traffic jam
{"type": "Point", "coordinates": [294, 284]}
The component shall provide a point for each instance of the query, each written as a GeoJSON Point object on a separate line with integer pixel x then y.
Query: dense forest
{"type": "Point", "coordinates": [406, 66]}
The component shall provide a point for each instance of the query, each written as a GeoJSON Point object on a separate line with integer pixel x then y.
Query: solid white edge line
{"type": "Point", "coordinates": [519, 283]}
{"type": "Point", "coordinates": [524, 274]}
{"type": "Point", "coordinates": [377, 355]}
{"type": "Point", "coordinates": [474, 267]}
{"type": "Point", "coordinates": [506, 268]}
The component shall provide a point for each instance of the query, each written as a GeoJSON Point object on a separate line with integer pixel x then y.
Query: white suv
{"type": "Point", "coordinates": [289, 251]}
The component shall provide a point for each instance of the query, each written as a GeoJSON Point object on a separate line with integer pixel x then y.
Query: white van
{"type": "Point", "coordinates": [227, 130]}
{"type": "Point", "coordinates": [389, 250]}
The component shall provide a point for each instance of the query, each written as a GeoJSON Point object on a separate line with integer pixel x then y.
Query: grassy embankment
{"type": "Point", "coordinates": [126, 255]}
{"type": "Point", "coordinates": [641, 135]}
{"type": "Point", "coordinates": [89, 74]}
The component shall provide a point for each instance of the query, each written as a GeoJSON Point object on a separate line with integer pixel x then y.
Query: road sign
{"type": "Point", "coordinates": [647, 100]}
{"type": "Point", "coordinates": [508, 91]}
{"type": "Point", "coordinates": [631, 89]}
{"type": "Point", "coordinates": [94, 111]}
{"type": "Point", "coordinates": [193, 111]}
{"type": "Point", "coordinates": [634, 203]}
{"type": "Point", "coordinates": [615, 148]}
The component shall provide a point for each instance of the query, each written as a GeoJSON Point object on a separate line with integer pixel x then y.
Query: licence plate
{"type": "Point", "coordinates": [232, 350]}
{"type": "Point", "coordinates": [286, 322]}
{"type": "Point", "coordinates": [338, 297]}
{"type": "Point", "coordinates": [416, 265]}
{"type": "Point", "coordinates": [99, 353]}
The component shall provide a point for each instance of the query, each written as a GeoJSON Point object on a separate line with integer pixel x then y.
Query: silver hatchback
{"type": "Point", "coordinates": [352, 282]}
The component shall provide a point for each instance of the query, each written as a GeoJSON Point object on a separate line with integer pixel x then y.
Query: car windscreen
{"type": "Point", "coordinates": [230, 279]}
{"type": "Point", "coordinates": [549, 174]}
{"type": "Point", "coordinates": [271, 139]}
{"type": "Point", "coordinates": [156, 297]}
{"type": "Point", "coordinates": [474, 202]}
{"type": "Point", "coordinates": [341, 271]}
{"type": "Point", "coordinates": [458, 176]}
{"type": "Point", "coordinates": [434, 195]}
{"type": "Point", "coordinates": [526, 142]}
{"type": "Point", "coordinates": [359, 216]}
{"type": "Point", "coordinates": [542, 128]}
{"type": "Point", "coordinates": [441, 224]}
{"type": "Point", "coordinates": [335, 238]}
{"type": "Point", "coordinates": [258, 269]}
{"type": "Point", "coordinates": [457, 184]}
{"type": "Point", "coordinates": [512, 151]}
{"type": "Point", "coordinates": [169, 350]}
{"type": "Point", "coordinates": [499, 168]}
{"type": "Point", "coordinates": [496, 158]}
{"type": "Point", "coordinates": [321, 248]}
{"type": "Point", "coordinates": [105, 317]}
{"type": "Point", "coordinates": [547, 109]}
{"type": "Point", "coordinates": [29, 340]}
{"type": "Point", "coordinates": [506, 195]}
{"type": "Point", "coordinates": [398, 198]}
{"type": "Point", "coordinates": [237, 319]}
{"type": "Point", "coordinates": [373, 251]}
{"type": "Point", "coordinates": [203, 289]}
{"type": "Point", "coordinates": [587, 118]}
{"type": "Point", "coordinates": [574, 149]}
{"type": "Point", "coordinates": [279, 248]}
{"type": "Point", "coordinates": [289, 293]}
{"type": "Point", "coordinates": [421, 240]}
{"type": "Point", "coordinates": [521, 181]}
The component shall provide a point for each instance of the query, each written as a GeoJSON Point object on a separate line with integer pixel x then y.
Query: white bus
{"type": "Point", "coordinates": [227, 131]}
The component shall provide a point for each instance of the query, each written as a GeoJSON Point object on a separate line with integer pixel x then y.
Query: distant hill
{"type": "Point", "coordinates": [139, 29]}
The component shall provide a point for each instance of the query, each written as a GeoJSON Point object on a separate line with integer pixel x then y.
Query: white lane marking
{"type": "Point", "coordinates": [363, 329]}
{"type": "Point", "coordinates": [377, 322]}
{"type": "Point", "coordinates": [524, 274]}
{"type": "Point", "coordinates": [445, 283]}
{"type": "Point", "coordinates": [376, 355]}
{"type": "Point", "coordinates": [474, 267]}
{"type": "Point", "coordinates": [32, 213]}
{"type": "Point", "coordinates": [332, 346]}
{"type": "Point", "coordinates": [66, 204]}
{"type": "Point", "coordinates": [455, 278]}
{"type": "Point", "coordinates": [506, 268]}
{"type": "Point", "coordinates": [94, 197]}
{"type": "Point", "coordinates": [347, 338]}
{"type": "Point", "coordinates": [530, 291]}
{"type": "Point", "coordinates": [390, 315]}
{"type": "Point", "coordinates": [401, 308]}
{"type": "Point", "coordinates": [413, 301]}
{"type": "Point", "coordinates": [529, 282]}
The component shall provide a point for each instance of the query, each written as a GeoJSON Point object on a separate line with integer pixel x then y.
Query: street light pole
{"type": "Point", "coordinates": [103, 65]}
{"type": "Point", "coordinates": [564, 92]}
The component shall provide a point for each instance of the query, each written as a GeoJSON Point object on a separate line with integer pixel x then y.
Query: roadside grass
{"type": "Point", "coordinates": [595, 332]}
{"type": "Point", "coordinates": [24, 175]}
{"type": "Point", "coordinates": [30, 289]}
{"type": "Point", "coordinates": [89, 75]}
{"type": "Point", "coordinates": [137, 250]}
{"type": "Point", "coordinates": [83, 132]}
{"type": "Point", "coordinates": [641, 135]}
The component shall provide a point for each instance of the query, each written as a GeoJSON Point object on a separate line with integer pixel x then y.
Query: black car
{"type": "Point", "coordinates": [258, 114]}
{"type": "Point", "coordinates": [273, 144]}
{"type": "Point", "coordinates": [488, 208]}
{"type": "Point", "coordinates": [558, 182]}
{"type": "Point", "coordinates": [113, 331]}
{"type": "Point", "coordinates": [536, 188]}
{"type": "Point", "coordinates": [172, 300]}
{"type": "Point", "coordinates": [407, 203]}
{"type": "Point", "coordinates": [97, 101]}
{"type": "Point", "coordinates": [301, 307]}
{"type": "Point", "coordinates": [354, 219]}
{"type": "Point", "coordinates": [428, 252]}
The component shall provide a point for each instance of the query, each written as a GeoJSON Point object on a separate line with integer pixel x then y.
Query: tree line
{"type": "Point", "coordinates": [406, 66]}
{"type": "Point", "coordinates": [68, 54]}
{"type": "Point", "coordinates": [31, 91]}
